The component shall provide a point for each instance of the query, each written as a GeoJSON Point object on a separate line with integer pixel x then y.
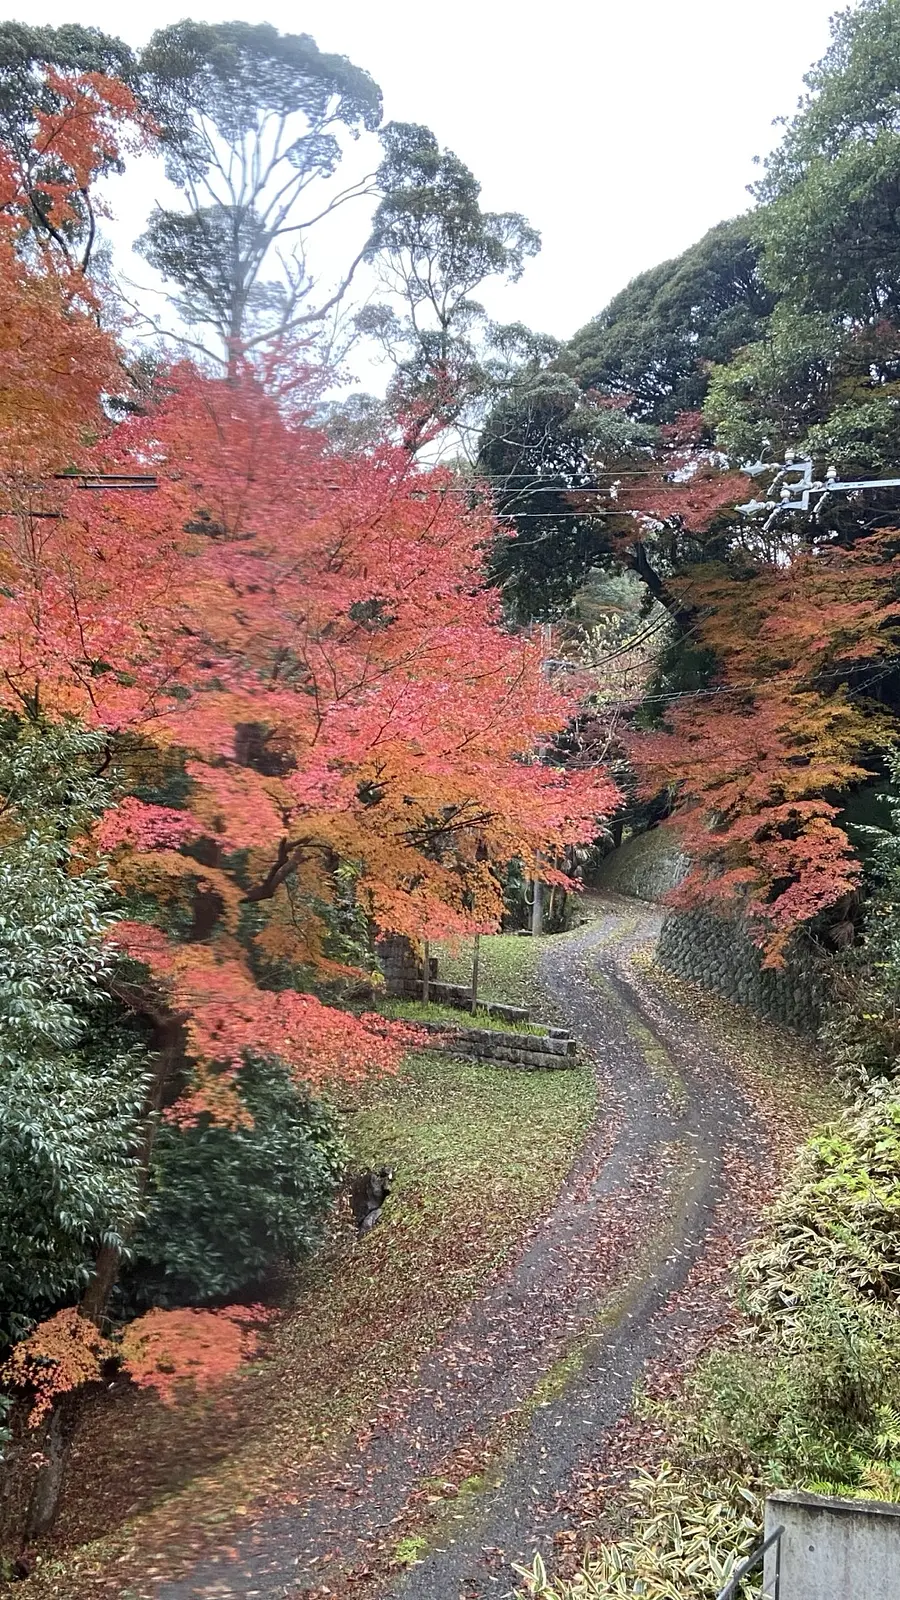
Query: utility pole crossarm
{"type": "Point", "coordinates": [798, 485]}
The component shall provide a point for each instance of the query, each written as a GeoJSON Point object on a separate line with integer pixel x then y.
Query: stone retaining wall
{"type": "Point", "coordinates": [456, 994]}
{"type": "Point", "coordinates": [530, 1052]}
{"type": "Point", "coordinates": [719, 954]}
{"type": "Point", "coordinates": [402, 967]}
{"type": "Point", "coordinates": [647, 866]}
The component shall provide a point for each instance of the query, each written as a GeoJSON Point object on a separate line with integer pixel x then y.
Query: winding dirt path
{"type": "Point", "coordinates": [525, 1388]}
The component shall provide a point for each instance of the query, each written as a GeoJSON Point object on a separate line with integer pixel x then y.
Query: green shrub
{"type": "Point", "coordinates": [839, 1216]}
{"type": "Point", "coordinates": [72, 1074]}
{"type": "Point", "coordinates": [226, 1204]}
{"type": "Point", "coordinates": [862, 1028]}
{"type": "Point", "coordinates": [687, 1536]}
{"type": "Point", "coordinates": [812, 1402]}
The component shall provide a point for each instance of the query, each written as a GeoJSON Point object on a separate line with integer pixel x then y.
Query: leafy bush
{"type": "Point", "coordinates": [687, 1537]}
{"type": "Point", "coordinates": [839, 1217]}
{"type": "Point", "coordinates": [71, 1076]}
{"type": "Point", "coordinates": [813, 1402]}
{"type": "Point", "coordinates": [225, 1204]}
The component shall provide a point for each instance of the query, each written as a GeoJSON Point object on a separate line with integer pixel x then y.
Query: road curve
{"type": "Point", "coordinates": [534, 1375]}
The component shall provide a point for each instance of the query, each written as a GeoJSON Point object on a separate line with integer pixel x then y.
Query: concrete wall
{"type": "Point", "coordinates": [834, 1549]}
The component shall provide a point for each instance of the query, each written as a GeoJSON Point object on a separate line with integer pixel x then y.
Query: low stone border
{"type": "Point", "coordinates": [552, 1051]}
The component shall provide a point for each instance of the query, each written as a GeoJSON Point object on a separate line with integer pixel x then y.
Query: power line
{"type": "Point", "coordinates": [714, 690]}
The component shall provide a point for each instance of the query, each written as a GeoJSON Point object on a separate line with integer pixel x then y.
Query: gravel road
{"type": "Point", "coordinates": [532, 1378]}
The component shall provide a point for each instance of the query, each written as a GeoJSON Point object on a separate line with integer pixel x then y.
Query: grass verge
{"type": "Point", "coordinates": [507, 967]}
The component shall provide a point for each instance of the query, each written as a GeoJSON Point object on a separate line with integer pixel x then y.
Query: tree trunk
{"type": "Point", "coordinates": [54, 1447]}
{"type": "Point", "coordinates": [170, 1042]}
{"type": "Point", "coordinates": [681, 614]}
{"type": "Point", "coordinates": [96, 1296]}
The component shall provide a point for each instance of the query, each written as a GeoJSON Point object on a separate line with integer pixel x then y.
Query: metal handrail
{"type": "Point", "coordinates": [752, 1561]}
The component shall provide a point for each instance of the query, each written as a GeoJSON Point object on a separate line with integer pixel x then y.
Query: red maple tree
{"type": "Point", "coordinates": [298, 669]}
{"type": "Point", "coordinates": [795, 625]}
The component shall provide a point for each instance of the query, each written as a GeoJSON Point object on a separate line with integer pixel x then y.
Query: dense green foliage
{"type": "Point", "coordinates": [653, 343]}
{"type": "Point", "coordinates": [824, 374]}
{"type": "Point", "coordinates": [863, 1027]}
{"type": "Point", "coordinates": [544, 438]}
{"type": "Point", "coordinates": [72, 1078]}
{"type": "Point", "coordinates": [830, 192]}
{"type": "Point", "coordinates": [226, 1204]}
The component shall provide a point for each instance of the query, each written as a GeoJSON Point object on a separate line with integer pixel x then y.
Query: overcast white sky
{"type": "Point", "coordinates": [623, 129]}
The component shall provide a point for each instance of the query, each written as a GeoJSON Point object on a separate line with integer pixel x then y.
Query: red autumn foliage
{"type": "Point", "coordinates": [760, 758]}
{"type": "Point", "coordinates": [307, 640]}
{"type": "Point", "coordinates": [56, 360]}
{"type": "Point", "coordinates": [60, 1354]}
{"type": "Point", "coordinates": [159, 1350]}
{"type": "Point", "coordinates": [694, 500]}
{"type": "Point", "coordinates": [305, 644]}
{"type": "Point", "coordinates": [164, 1349]}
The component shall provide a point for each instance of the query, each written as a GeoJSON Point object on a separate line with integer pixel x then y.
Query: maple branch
{"type": "Point", "coordinates": [146, 1002]}
{"type": "Point", "coordinates": [92, 231]}
{"type": "Point", "coordinates": [284, 864]}
{"type": "Point", "coordinates": [422, 835]}
{"type": "Point", "coordinates": [279, 870]}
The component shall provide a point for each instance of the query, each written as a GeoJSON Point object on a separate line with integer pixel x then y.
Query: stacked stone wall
{"type": "Point", "coordinates": [550, 1051]}
{"type": "Point", "coordinates": [719, 954]}
{"type": "Point", "coordinates": [402, 967]}
{"type": "Point", "coordinates": [716, 952]}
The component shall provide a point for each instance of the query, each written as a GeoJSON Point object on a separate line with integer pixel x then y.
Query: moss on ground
{"type": "Point", "coordinates": [507, 967]}
{"type": "Point", "coordinates": [409, 1550]}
